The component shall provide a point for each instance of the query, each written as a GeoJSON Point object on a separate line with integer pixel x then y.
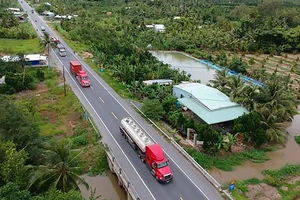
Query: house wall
{"type": "Point", "coordinates": [32, 63]}
{"type": "Point", "coordinates": [179, 93]}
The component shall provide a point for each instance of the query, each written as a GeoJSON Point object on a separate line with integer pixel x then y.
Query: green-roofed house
{"type": "Point", "coordinates": [208, 103]}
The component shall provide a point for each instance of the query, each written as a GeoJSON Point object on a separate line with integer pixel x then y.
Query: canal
{"type": "Point", "coordinates": [106, 186]}
{"type": "Point", "coordinates": [278, 159]}
{"type": "Point", "coordinates": [177, 60]}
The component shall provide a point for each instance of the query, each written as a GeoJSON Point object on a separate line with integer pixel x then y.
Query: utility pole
{"type": "Point", "coordinates": [64, 81]}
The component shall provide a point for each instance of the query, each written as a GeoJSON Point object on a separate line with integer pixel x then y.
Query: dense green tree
{"type": "Point", "coordinates": [60, 168]}
{"type": "Point", "coordinates": [53, 194]}
{"type": "Point", "coordinates": [12, 190]}
{"type": "Point", "coordinates": [153, 109]}
{"type": "Point", "coordinates": [13, 168]}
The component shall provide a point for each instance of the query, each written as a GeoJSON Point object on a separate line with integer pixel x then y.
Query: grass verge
{"type": "Point", "coordinates": [14, 46]}
{"type": "Point", "coordinates": [62, 117]}
{"type": "Point", "coordinates": [227, 163]}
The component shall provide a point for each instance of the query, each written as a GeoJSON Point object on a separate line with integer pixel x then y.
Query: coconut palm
{"type": "Point", "coordinates": [236, 85]}
{"type": "Point", "coordinates": [22, 62]}
{"type": "Point", "coordinates": [59, 170]}
{"type": "Point", "coordinates": [46, 44]}
{"type": "Point", "coordinates": [274, 129]}
{"type": "Point", "coordinates": [275, 96]}
{"type": "Point", "coordinates": [247, 97]}
{"type": "Point", "coordinates": [220, 79]}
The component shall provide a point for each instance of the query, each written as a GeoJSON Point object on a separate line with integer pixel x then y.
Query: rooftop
{"type": "Point", "coordinates": [210, 97]}
{"type": "Point", "coordinates": [211, 105]}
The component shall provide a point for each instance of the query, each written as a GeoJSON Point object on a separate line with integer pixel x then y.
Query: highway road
{"type": "Point", "coordinates": [107, 109]}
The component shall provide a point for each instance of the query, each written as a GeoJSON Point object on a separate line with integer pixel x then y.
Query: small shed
{"type": "Point", "coordinates": [159, 28]}
{"type": "Point", "coordinates": [35, 59]}
{"type": "Point", "coordinates": [158, 81]}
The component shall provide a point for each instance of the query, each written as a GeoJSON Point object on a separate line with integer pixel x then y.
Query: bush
{"type": "Point", "coordinates": [40, 75]}
{"type": "Point", "coordinates": [7, 89]}
{"type": "Point", "coordinates": [80, 140]}
{"type": "Point", "coordinates": [297, 139]}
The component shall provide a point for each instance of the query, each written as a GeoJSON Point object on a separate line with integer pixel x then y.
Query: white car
{"type": "Point", "coordinates": [43, 28]}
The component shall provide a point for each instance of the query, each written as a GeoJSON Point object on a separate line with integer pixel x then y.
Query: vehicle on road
{"type": "Point", "coordinates": [81, 75]}
{"type": "Point", "coordinates": [148, 151]}
{"type": "Point", "coordinates": [32, 11]}
{"type": "Point", "coordinates": [55, 40]}
{"type": "Point", "coordinates": [61, 50]}
{"type": "Point", "coordinates": [42, 28]}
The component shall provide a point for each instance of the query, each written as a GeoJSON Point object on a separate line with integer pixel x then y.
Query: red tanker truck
{"type": "Point", "coordinates": [148, 151]}
{"type": "Point", "coordinates": [81, 75]}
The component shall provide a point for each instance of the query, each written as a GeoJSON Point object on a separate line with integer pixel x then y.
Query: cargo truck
{"type": "Point", "coordinates": [81, 75]}
{"type": "Point", "coordinates": [148, 151]}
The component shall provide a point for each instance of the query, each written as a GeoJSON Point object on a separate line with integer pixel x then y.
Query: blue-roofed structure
{"type": "Point", "coordinates": [208, 103]}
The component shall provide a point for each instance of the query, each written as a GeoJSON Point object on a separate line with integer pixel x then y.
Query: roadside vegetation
{"type": "Point", "coordinates": [46, 143]}
{"type": "Point", "coordinates": [278, 184]}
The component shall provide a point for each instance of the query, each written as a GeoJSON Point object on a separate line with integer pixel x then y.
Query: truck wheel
{"type": "Point", "coordinates": [142, 159]}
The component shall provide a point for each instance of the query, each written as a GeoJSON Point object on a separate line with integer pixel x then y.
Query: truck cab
{"type": "Point", "coordinates": [83, 78]}
{"type": "Point", "coordinates": [158, 163]}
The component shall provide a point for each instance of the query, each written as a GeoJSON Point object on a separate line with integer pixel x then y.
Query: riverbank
{"type": "Point", "coordinates": [278, 184]}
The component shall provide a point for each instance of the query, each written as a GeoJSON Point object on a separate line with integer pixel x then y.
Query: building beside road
{"type": "Point", "coordinates": [209, 104]}
{"type": "Point", "coordinates": [35, 60]}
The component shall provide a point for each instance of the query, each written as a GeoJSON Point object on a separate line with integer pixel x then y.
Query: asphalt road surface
{"type": "Point", "coordinates": [107, 109]}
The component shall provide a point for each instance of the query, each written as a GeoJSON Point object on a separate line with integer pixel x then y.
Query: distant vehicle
{"type": "Point", "coordinates": [32, 11]}
{"type": "Point", "coordinates": [61, 50]}
{"type": "Point", "coordinates": [148, 151]}
{"type": "Point", "coordinates": [43, 28]}
{"type": "Point", "coordinates": [81, 75]}
{"type": "Point", "coordinates": [55, 40]}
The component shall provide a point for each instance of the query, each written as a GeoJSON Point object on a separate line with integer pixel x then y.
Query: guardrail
{"type": "Point", "coordinates": [121, 174]}
{"type": "Point", "coordinates": [211, 179]}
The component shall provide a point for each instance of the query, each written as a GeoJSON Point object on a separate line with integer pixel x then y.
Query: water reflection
{"type": "Point", "coordinates": [278, 159]}
{"type": "Point", "coordinates": [106, 186]}
{"type": "Point", "coordinates": [180, 61]}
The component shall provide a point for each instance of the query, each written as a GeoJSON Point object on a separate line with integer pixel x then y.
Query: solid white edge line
{"type": "Point", "coordinates": [91, 87]}
{"type": "Point", "coordinates": [80, 89]}
{"type": "Point", "coordinates": [72, 52]}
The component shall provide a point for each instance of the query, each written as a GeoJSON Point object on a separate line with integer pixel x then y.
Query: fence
{"type": "Point", "coordinates": [211, 179]}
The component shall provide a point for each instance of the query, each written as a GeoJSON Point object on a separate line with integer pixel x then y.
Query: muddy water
{"type": "Point", "coordinates": [288, 155]}
{"type": "Point", "coordinates": [182, 62]}
{"type": "Point", "coordinates": [106, 186]}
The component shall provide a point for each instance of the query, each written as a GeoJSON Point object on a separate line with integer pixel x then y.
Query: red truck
{"type": "Point", "coordinates": [81, 75]}
{"type": "Point", "coordinates": [148, 151]}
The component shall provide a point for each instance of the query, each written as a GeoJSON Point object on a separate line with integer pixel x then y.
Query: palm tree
{"type": "Point", "coordinates": [59, 170]}
{"type": "Point", "coordinates": [22, 61]}
{"type": "Point", "coordinates": [46, 43]}
{"type": "Point", "coordinates": [275, 96]}
{"type": "Point", "coordinates": [236, 85]}
{"type": "Point", "coordinates": [247, 97]}
{"type": "Point", "coordinates": [220, 79]}
{"type": "Point", "coordinates": [274, 129]}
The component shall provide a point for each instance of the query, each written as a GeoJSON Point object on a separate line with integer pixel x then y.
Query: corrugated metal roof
{"type": "Point", "coordinates": [210, 97]}
{"type": "Point", "coordinates": [213, 116]}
